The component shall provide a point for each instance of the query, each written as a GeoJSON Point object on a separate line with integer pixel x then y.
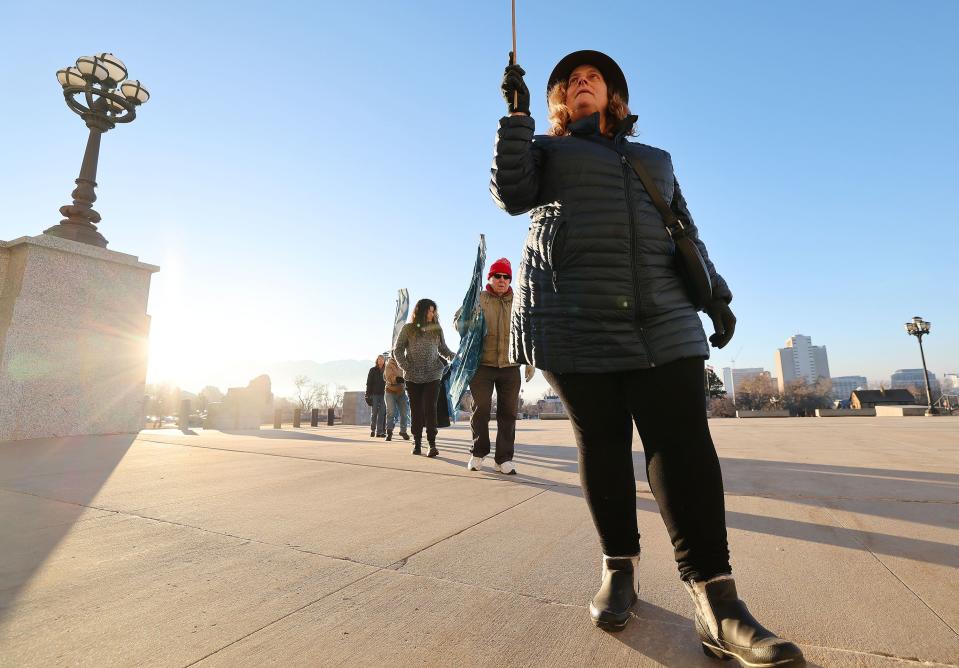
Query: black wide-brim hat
{"type": "Point", "coordinates": [615, 80]}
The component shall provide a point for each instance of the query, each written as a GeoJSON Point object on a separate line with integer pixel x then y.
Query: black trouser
{"type": "Point", "coordinates": [423, 409]}
{"type": "Point", "coordinates": [669, 406]}
{"type": "Point", "coordinates": [506, 380]}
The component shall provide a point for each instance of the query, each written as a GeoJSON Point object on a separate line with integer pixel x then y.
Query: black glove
{"type": "Point", "coordinates": [513, 83]}
{"type": "Point", "coordinates": [724, 322]}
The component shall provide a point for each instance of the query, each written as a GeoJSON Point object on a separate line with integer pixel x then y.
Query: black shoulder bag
{"type": "Point", "coordinates": [689, 261]}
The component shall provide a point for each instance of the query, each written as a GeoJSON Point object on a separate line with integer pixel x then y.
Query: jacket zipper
{"type": "Point", "coordinates": [637, 294]}
{"type": "Point", "coordinates": [559, 230]}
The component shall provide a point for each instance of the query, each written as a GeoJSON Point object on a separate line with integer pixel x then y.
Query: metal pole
{"type": "Point", "coordinates": [930, 410]}
{"type": "Point", "coordinates": [515, 93]}
{"type": "Point", "coordinates": [80, 219]}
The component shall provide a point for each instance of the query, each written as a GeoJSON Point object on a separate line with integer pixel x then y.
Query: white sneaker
{"type": "Point", "coordinates": [475, 464]}
{"type": "Point", "coordinates": [506, 467]}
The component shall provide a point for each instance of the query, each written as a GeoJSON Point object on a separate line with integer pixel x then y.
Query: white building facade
{"type": "Point", "coordinates": [801, 359]}
{"type": "Point", "coordinates": [733, 377]}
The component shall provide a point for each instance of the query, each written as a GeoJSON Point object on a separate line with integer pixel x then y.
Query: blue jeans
{"type": "Point", "coordinates": [377, 414]}
{"type": "Point", "coordinates": [397, 409]}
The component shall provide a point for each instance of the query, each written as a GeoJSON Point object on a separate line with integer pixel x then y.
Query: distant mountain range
{"type": "Point", "coordinates": [351, 373]}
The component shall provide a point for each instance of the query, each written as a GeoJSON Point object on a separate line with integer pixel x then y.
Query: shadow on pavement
{"type": "Point", "coordinates": [34, 524]}
{"type": "Point", "coordinates": [916, 549]}
{"type": "Point", "coordinates": [665, 637]}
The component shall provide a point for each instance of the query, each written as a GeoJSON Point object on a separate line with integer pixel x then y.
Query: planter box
{"type": "Point", "coordinates": [845, 412]}
{"type": "Point", "coordinates": [553, 416]}
{"type": "Point", "coordinates": [762, 414]}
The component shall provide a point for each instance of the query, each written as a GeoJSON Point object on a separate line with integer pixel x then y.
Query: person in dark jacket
{"type": "Point", "coordinates": [420, 350]}
{"type": "Point", "coordinates": [375, 391]}
{"type": "Point", "coordinates": [602, 310]}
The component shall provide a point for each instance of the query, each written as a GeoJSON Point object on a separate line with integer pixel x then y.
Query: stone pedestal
{"type": "Point", "coordinates": [73, 339]}
{"type": "Point", "coordinates": [355, 410]}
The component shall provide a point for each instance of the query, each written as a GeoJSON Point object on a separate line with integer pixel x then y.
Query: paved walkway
{"type": "Point", "coordinates": [324, 547]}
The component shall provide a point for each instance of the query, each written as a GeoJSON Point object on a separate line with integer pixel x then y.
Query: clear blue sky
{"type": "Point", "coordinates": [299, 162]}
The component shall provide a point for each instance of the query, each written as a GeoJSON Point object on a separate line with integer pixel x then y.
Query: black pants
{"type": "Point", "coordinates": [423, 409]}
{"type": "Point", "coordinates": [669, 406]}
{"type": "Point", "coordinates": [506, 381]}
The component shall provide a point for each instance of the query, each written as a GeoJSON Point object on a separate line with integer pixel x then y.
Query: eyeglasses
{"type": "Point", "coordinates": [503, 276]}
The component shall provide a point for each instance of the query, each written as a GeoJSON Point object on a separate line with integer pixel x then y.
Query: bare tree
{"type": "Point", "coordinates": [803, 398]}
{"type": "Point", "coordinates": [756, 393]}
{"type": "Point", "coordinates": [722, 407]}
{"type": "Point", "coordinates": [306, 393]}
{"type": "Point", "coordinates": [335, 401]}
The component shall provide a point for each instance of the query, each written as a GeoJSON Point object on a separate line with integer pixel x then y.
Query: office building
{"type": "Point", "coordinates": [912, 379]}
{"type": "Point", "coordinates": [801, 359]}
{"type": "Point", "coordinates": [843, 386]}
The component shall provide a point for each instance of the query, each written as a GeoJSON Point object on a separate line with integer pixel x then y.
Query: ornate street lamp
{"type": "Point", "coordinates": [95, 89]}
{"type": "Point", "coordinates": [918, 327]}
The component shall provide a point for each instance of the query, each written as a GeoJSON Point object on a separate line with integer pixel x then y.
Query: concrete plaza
{"type": "Point", "coordinates": [325, 547]}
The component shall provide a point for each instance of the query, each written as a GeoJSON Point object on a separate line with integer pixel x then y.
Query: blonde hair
{"type": "Point", "coordinates": [560, 116]}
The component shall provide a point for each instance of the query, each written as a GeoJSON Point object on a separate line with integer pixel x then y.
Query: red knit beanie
{"type": "Point", "coordinates": [501, 266]}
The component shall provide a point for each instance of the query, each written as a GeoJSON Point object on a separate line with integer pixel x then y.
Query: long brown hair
{"type": "Point", "coordinates": [560, 116]}
{"type": "Point", "coordinates": [418, 318]}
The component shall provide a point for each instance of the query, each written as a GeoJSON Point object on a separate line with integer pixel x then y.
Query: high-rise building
{"type": "Point", "coordinates": [801, 359]}
{"type": "Point", "coordinates": [843, 386]}
{"type": "Point", "coordinates": [950, 383]}
{"type": "Point", "coordinates": [733, 377]}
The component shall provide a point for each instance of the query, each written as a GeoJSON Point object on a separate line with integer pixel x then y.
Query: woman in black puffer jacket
{"type": "Point", "coordinates": [602, 310]}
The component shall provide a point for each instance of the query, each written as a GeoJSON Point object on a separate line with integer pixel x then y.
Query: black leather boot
{"type": "Point", "coordinates": [389, 436]}
{"type": "Point", "coordinates": [610, 607]}
{"type": "Point", "coordinates": [433, 451]}
{"type": "Point", "coordinates": [417, 445]}
{"type": "Point", "coordinates": [728, 631]}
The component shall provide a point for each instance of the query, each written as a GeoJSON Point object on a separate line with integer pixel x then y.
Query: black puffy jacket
{"type": "Point", "coordinates": [375, 382]}
{"type": "Point", "coordinates": [597, 288]}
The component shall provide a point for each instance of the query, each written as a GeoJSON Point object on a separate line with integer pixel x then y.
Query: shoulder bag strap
{"type": "Point", "coordinates": [674, 225]}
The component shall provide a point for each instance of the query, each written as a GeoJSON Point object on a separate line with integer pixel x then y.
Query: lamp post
{"type": "Point", "coordinates": [918, 327]}
{"type": "Point", "coordinates": [97, 91]}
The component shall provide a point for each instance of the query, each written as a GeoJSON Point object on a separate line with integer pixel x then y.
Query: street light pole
{"type": "Point", "coordinates": [105, 99]}
{"type": "Point", "coordinates": [918, 327]}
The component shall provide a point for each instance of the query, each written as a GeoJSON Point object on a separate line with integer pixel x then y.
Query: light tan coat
{"type": "Point", "coordinates": [496, 311]}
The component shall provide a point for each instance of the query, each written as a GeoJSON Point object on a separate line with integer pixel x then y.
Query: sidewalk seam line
{"type": "Point", "coordinates": [371, 466]}
{"type": "Point", "coordinates": [831, 511]}
{"type": "Point", "coordinates": [282, 617]}
{"type": "Point", "coordinates": [402, 561]}
{"type": "Point", "coordinates": [378, 570]}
